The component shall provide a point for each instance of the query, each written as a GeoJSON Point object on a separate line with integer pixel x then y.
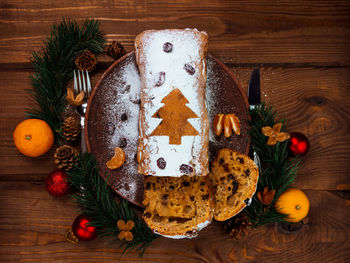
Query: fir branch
{"type": "Point", "coordinates": [278, 171]}
{"type": "Point", "coordinates": [96, 201]}
{"type": "Point", "coordinates": [54, 65]}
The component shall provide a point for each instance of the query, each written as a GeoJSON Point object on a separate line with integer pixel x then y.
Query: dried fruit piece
{"type": "Point", "coordinates": [231, 122]}
{"type": "Point", "coordinates": [110, 128]}
{"type": "Point", "coordinates": [218, 124]}
{"type": "Point", "coordinates": [227, 126]}
{"type": "Point", "coordinates": [124, 117]}
{"type": "Point", "coordinates": [161, 163]}
{"type": "Point", "coordinates": [234, 123]}
{"type": "Point", "coordinates": [117, 160]}
{"type": "Point", "coordinates": [186, 169]}
{"type": "Point", "coordinates": [123, 142]}
{"type": "Point", "coordinates": [189, 69]}
{"type": "Point", "coordinates": [160, 79]}
{"type": "Point", "coordinates": [167, 47]}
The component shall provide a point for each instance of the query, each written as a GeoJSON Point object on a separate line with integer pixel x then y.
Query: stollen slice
{"type": "Point", "coordinates": [234, 177]}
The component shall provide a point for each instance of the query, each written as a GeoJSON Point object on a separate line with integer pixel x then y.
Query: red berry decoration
{"type": "Point", "coordinates": [82, 230]}
{"type": "Point", "coordinates": [56, 183]}
{"type": "Point", "coordinates": [298, 144]}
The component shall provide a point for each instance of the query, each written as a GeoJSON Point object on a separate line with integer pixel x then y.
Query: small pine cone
{"type": "Point", "coordinates": [237, 225]}
{"type": "Point", "coordinates": [65, 157]}
{"type": "Point", "coordinates": [116, 50]}
{"type": "Point", "coordinates": [71, 128]}
{"type": "Point", "coordinates": [86, 60]}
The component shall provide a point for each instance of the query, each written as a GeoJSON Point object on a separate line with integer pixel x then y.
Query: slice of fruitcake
{"type": "Point", "coordinates": [177, 207]}
{"type": "Point", "coordinates": [234, 178]}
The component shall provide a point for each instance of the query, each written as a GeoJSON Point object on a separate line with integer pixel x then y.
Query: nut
{"type": "Point", "coordinates": [227, 126]}
{"type": "Point", "coordinates": [218, 124]}
{"type": "Point", "coordinates": [234, 123]}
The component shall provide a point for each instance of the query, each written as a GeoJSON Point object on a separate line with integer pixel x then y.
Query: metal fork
{"type": "Point", "coordinates": [82, 83]}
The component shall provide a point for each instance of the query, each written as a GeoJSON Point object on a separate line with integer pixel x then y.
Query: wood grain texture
{"type": "Point", "coordinates": [34, 230]}
{"type": "Point", "coordinates": [303, 51]}
{"type": "Point", "coordinates": [241, 32]}
{"type": "Point", "coordinates": [313, 101]}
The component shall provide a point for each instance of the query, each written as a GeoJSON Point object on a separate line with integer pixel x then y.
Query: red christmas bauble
{"type": "Point", "coordinates": [56, 183]}
{"type": "Point", "coordinates": [298, 144]}
{"type": "Point", "coordinates": [81, 230]}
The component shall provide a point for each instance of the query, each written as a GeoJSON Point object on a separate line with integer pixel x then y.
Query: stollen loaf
{"type": "Point", "coordinates": [173, 120]}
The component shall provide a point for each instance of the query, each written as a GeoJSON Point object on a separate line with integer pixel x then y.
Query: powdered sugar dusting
{"type": "Point", "coordinates": [125, 108]}
{"type": "Point", "coordinates": [213, 78]}
{"type": "Point", "coordinates": [187, 50]}
{"type": "Point", "coordinates": [119, 92]}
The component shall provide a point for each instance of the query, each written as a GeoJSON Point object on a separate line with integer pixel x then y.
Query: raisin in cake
{"type": "Point", "coordinates": [173, 121]}
{"type": "Point", "coordinates": [177, 207]}
{"type": "Point", "coordinates": [234, 178]}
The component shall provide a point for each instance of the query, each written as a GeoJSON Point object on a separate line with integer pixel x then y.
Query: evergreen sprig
{"type": "Point", "coordinates": [54, 65]}
{"type": "Point", "coordinates": [98, 202]}
{"type": "Point", "coordinates": [278, 170]}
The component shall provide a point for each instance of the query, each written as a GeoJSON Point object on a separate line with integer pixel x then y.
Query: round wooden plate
{"type": "Point", "coordinates": [112, 119]}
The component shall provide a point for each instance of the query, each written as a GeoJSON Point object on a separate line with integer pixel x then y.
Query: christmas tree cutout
{"type": "Point", "coordinates": [175, 114]}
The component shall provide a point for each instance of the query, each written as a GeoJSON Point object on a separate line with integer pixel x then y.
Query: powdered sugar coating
{"type": "Point", "coordinates": [189, 47]}
{"type": "Point", "coordinates": [119, 87]}
{"type": "Point", "coordinates": [119, 121]}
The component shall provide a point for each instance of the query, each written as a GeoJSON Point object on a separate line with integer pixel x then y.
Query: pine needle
{"type": "Point", "coordinates": [278, 170]}
{"type": "Point", "coordinates": [97, 201]}
{"type": "Point", "coordinates": [54, 65]}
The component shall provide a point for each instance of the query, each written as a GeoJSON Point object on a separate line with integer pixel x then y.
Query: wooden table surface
{"type": "Point", "coordinates": [303, 51]}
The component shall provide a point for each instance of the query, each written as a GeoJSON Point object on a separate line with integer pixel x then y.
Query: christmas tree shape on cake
{"type": "Point", "coordinates": [175, 114]}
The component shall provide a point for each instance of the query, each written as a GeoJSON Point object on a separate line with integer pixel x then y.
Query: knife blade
{"type": "Point", "coordinates": [254, 99]}
{"type": "Point", "coordinates": [254, 89]}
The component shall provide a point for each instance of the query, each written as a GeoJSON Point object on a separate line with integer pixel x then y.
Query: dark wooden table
{"type": "Point", "coordinates": [303, 51]}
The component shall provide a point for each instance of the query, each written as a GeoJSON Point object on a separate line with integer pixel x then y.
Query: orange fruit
{"type": "Point", "coordinates": [33, 137]}
{"type": "Point", "coordinates": [293, 203]}
{"type": "Point", "coordinates": [117, 160]}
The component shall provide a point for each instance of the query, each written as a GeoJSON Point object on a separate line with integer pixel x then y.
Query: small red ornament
{"type": "Point", "coordinates": [81, 230]}
{"type": "Point", "coordinates": [298, 144]}
{"type": "Point", "coordinates": [56, 183]}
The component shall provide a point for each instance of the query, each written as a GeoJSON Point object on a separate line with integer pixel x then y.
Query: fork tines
{"type": "Point", "coordinates": [82, 82]}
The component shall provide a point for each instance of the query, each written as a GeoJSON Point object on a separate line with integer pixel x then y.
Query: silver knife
{"type": "Point", "coordinates": [254, 100]}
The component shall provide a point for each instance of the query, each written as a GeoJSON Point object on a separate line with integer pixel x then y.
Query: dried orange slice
{"type": "Point", "coordinates": [117, 160]}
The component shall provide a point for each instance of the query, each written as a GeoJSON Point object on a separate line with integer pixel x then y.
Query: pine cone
{"type": "Point", "coordinates": [116, 50]}
{"type": "Point", "coordinates": [86, 61]}
{"type": "Point", "coordinates": [65, 157]}
{"type": "Point", "coordinates": [71, 128]}
{"type": "Point", "coordinates": [237, 225]}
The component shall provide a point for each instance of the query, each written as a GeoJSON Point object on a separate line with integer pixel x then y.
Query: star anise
{"type": "Point", "coordinates": [75, 100]}
{"type": "Point", "coordinates": [266, 197]}
{"type": "Point", "coordinates": [274, 134]}
{"type": "Point", "coordinates": [125, 228]}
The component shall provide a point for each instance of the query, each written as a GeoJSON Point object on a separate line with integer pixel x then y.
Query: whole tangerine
{"type": "Point", "coordinates": [33, 137]}
{"type": "Point", "coordinates": [294, 203]}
